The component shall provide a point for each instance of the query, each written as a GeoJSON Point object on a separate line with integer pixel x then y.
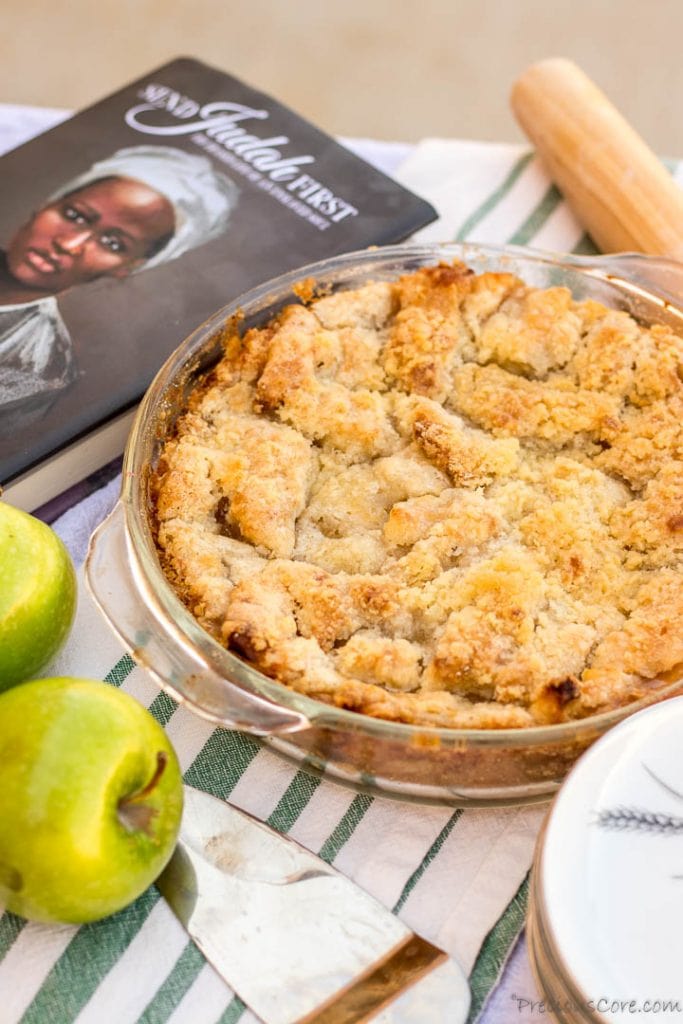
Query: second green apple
{"type": "Point", "coordinates": [37, 595]}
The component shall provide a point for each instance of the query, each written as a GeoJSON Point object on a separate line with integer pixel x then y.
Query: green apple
{"type": "Point", "coordinates": [37, 595]}
{"type": "Point", "coordinates": [90, 799]}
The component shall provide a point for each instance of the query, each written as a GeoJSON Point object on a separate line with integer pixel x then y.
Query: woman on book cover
{"type": "Point", "coordinates": [139, 208]}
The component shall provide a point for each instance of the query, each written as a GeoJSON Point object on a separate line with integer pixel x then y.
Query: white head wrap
{"type": "Point", "coordinates": [202, 198]}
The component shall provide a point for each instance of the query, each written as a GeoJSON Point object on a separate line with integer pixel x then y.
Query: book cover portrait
{"type": "Point", "coordinates": [123, 228]}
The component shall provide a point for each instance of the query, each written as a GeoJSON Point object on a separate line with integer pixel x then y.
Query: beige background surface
{"type": "Point", "coordinates": [379, 68]}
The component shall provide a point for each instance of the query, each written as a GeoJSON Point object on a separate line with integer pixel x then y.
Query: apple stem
{"type": "Point", "coordinates": [134, 815]}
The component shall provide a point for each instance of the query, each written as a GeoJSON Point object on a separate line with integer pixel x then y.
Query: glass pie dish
{"type": "Point", "coordinates": [457, 767]}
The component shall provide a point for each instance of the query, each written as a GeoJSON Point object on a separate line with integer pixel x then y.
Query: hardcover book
{"type": "Point", "coordinates": [127, 225]}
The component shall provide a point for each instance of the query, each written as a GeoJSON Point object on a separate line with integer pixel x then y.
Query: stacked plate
{"type": "Point", "coordinates": [607, 892]}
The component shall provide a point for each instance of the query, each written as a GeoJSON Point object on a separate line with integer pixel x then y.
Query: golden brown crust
{"type": "Point", "coordinates": [452, 500]}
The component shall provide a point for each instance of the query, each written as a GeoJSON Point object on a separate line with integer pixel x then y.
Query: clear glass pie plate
{"type": "Point", "coordinates": [459, 767]}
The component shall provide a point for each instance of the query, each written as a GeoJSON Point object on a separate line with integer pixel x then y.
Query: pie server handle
{"type": "Point", "coordinates": [296, 940]}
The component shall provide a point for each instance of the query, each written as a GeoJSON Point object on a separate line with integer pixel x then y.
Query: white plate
{"type": "Point", "coordinates": [610, 874]}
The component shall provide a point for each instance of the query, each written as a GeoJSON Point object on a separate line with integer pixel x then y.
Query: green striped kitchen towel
{"type": "Point", "coordinates": [490, 192]}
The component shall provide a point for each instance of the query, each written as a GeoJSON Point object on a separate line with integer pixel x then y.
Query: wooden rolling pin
{"type": "Point", "coordinates": [617, 187]}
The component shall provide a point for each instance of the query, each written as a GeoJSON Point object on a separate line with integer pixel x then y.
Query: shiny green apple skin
{"type": "Point", "coordinates": [90, 799]}
{"type": "Point", "coordinates": [37, 595]}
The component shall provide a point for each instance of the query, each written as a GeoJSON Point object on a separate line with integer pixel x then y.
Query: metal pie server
{"type": "Point", "coordinates": [297, 941]}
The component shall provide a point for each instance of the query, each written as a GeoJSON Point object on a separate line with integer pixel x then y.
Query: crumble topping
{"type": "Point", "coordinates": [449, 500]}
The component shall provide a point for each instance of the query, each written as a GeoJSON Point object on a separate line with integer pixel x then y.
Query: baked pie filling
{"type": "Point", "coordinates": [450, 500]}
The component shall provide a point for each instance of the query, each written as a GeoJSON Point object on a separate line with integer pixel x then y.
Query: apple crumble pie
{"type": "Point", "coordinates": [452, 500]}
